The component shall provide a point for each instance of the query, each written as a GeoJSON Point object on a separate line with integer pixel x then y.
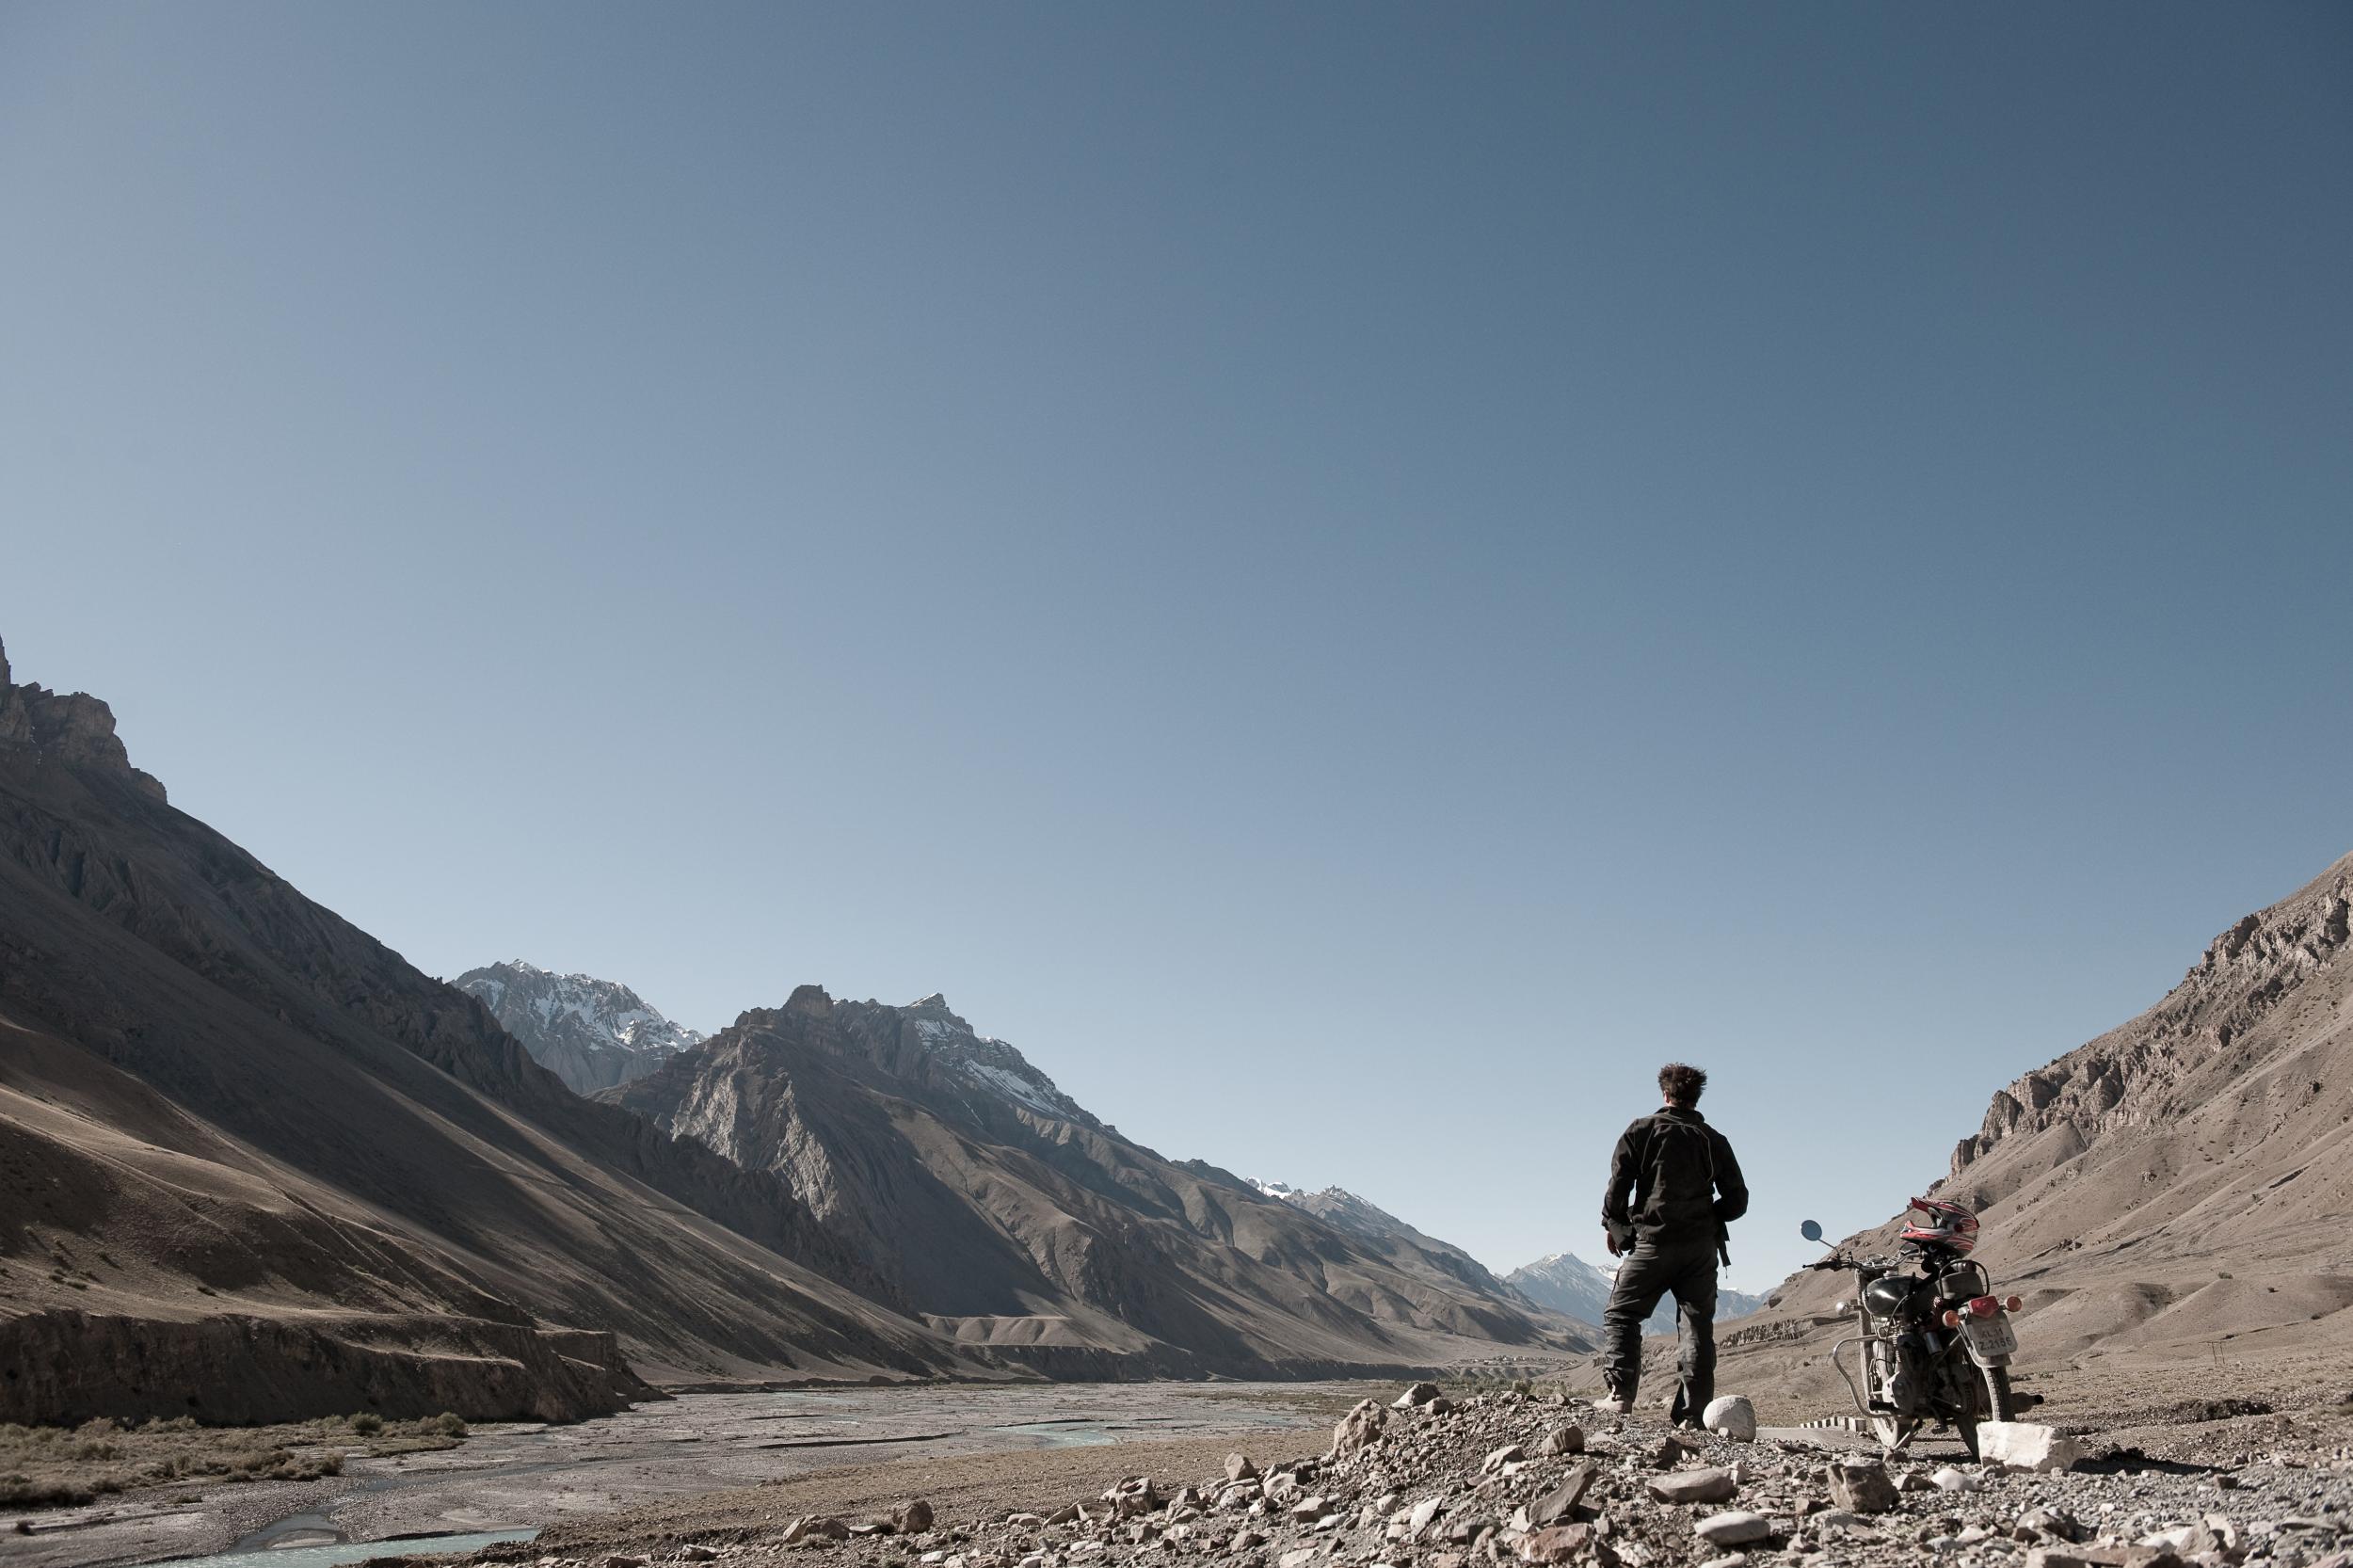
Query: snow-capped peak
{"type": "Point", "coordinates": [987, 1063]}
{"type": "Point", "coordinates": [567, 1021]}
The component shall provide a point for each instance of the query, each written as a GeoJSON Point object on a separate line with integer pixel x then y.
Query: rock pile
{"type": "Point", "coordinates": [1508, 1479]}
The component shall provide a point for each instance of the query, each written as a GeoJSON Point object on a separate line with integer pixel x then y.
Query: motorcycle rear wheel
{"type": "Point", "coordinates": [1991, 1400]}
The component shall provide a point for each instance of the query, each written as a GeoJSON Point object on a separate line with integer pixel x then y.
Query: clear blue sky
{"type": "Point", "coordinates": [1351, 578]}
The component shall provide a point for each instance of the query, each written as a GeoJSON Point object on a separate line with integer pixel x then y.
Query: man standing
{"type": "Point", "coordinates": [1674, 1188]}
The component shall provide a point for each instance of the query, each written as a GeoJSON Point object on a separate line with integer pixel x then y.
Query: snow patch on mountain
{"type": "Point", "coordinates": [592, 1034]}
{"type": "Point", "coordinates": [986, 1062]}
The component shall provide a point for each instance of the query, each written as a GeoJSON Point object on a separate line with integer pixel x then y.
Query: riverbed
{"type": "Point", "coordinates": [522, 1478]}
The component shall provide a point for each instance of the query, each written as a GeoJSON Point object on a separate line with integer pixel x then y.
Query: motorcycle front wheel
{"type": "Point", "coordinates": [1990, 1400]}
{"type": "Point", "coordinates": [1894, 1432]}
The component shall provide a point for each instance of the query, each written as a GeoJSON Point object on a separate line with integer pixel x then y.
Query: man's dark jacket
{"type": "Point", "coordinates": [1673, 1183]}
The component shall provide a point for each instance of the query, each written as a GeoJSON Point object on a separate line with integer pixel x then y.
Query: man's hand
{"type": "Point", "coordinates": [1610, 1238]}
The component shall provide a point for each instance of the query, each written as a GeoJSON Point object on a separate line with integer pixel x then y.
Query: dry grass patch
{"type": "Point", "coordinates": [66, 1466]}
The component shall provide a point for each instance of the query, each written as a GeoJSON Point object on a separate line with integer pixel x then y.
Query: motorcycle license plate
{"type": "Point", "coordinates": [1990, 1338]}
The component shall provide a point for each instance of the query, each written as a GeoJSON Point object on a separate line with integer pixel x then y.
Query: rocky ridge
{"type": "Point", "coordinates": [1401, 1242]}
{"type": "Point", "coordinates": [1011, 1217]}
{"type": "Point", "coordinates": [2169, 1197]}
{"type": "Point", "coordinates": [592, 1034]}
{"type": "Point", "coordinates": [1445, 1482]}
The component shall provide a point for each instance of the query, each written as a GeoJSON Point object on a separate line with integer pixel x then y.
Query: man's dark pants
{"type": "Point", "coordinates": [1656, 1268]}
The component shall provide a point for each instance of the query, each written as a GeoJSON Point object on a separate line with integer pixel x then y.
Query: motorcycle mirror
{"type": "Point", "coordinates": [1811, 1230]}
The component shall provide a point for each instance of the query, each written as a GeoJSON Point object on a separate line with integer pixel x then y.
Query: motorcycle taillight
{"type": "Point", "coordinates": [1984, 1307]}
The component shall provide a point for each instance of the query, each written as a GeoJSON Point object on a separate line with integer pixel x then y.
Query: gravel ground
{"type": "Point", "coordinates": [1489, 1480]}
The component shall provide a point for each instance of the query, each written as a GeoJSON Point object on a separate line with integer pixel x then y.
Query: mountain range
{"type": "Point", "coordinates": [1006, 1215]}
{"type": "Point", "coordinates": [254, 1164]}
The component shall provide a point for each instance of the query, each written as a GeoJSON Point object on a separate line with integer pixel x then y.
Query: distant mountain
{"type": "Point", "coordinates": [1576, 1288]}
{"type": "Point", "coordinates": [1400, 1242]}
{"type": "Point", "coordinates": [1012, 1220]}
{"type": "Point", "coordinates": [592, 1034]}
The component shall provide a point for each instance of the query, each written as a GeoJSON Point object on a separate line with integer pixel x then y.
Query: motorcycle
{"type": "Point", "coordinates": [1936, 1344]}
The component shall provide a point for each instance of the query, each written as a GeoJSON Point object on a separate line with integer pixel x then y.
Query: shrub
{"type": "Point", "coordinates": [367, 1423]}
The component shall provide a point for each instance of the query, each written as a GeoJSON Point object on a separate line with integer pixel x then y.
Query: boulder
{"type": "Point", "coordinates": [1950, 1480]}
{"type": "Point", "coordinates": [1861, 1486]}
{"type": "Point", "coordinates": [1556, 1544]}
{"type": "Point", "coordinates": [1237, 1468]}
{"type": "Point", "coordinates": [1695, 1486]}
{"type": "Point", "coordinates": [1734, 1528]}
{"type": "Point", "coordinates": [912, 1517]}
{"type": "Point", "coordinates": [1359, 1429]}
{"type": "Point", "coordinates": [1414, 1398]}
{"type": "Point", "coordinates": [1510, 1453]}
{"type": "Point", "coordinates": [1563, 1440]}
{"type": "Point", "coordinates": [1732, 1416]}
{"type": "Point", "coordinates": [2025, 1446]}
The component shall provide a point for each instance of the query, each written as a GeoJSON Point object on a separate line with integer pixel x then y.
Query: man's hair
{"type": "Point", "coordinates": [1681, 1084]}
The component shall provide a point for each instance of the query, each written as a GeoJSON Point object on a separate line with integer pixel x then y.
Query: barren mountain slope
{"type": "Point", "coordinates": [238, 1135]}
{"type": "Point", "coordinates": [2173, 1195]}
{"type": "Point", "coordinates": [1013, 1218]}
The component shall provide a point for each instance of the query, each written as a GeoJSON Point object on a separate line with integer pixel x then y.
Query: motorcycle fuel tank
{"type": "Point", "coordinates": [1886, 1297]}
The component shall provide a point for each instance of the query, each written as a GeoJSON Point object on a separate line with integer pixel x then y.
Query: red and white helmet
{"type": "Point", "coordinates": [1942, 1224]}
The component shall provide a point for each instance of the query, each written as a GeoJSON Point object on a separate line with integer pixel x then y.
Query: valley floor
{"type": "Point", "coordinates": [664, 1453]}
{"type": "Point", "coordinates": [1474, 1485]}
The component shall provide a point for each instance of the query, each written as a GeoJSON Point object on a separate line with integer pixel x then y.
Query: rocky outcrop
{"type": "Point", "coordinates": [592, 1034]}
{"type": "Point", "coordinates": [2156, 1067]}
{"type": "Point", "coordinates": [73, 728]}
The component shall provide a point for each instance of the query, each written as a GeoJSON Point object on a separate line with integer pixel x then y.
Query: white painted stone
{"type": "Point", "coordinates": [2025, 1446]}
